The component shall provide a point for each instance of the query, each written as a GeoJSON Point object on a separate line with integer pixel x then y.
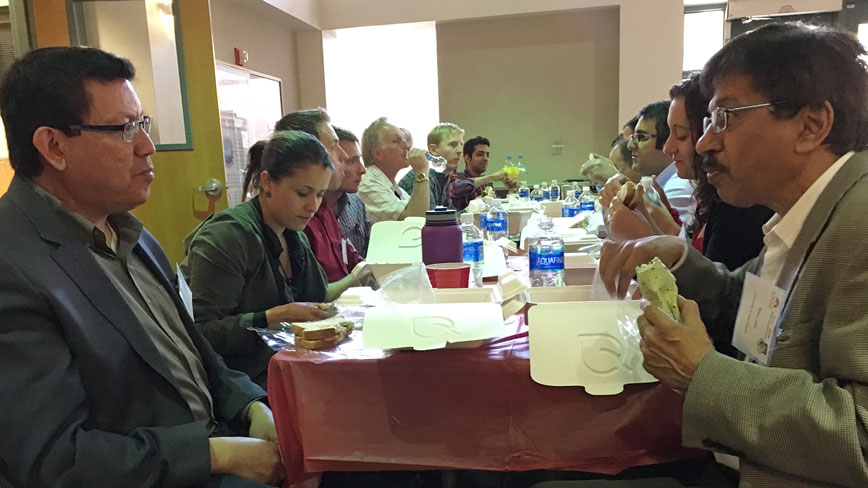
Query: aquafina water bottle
{"type": "Point", "coordinates": [471, 240]}
{"type": "Point", "coordinates": [496, 223]}
{"type": "Point", "coordinates": [546, 256]}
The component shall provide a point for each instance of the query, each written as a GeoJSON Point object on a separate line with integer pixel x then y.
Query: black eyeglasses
{"type": "Point", "coordinates": [641, 137]}
{"type": "Point", "coordinates": [130, 129]}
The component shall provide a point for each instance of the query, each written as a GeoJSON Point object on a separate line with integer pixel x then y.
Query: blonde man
{"type": "Point", "coordinates": [447, 141]}
{"type": "Point", "coordinates": [385, 152]}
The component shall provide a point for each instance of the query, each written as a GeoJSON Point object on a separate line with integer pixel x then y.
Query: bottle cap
{"type": "Point", "coordinates": [440, 214]}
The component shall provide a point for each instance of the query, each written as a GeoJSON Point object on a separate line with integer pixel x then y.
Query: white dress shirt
{"type": "Point", "coordinates": [679, 192]}
{"type": "Point", "coordinates": [384, 199]}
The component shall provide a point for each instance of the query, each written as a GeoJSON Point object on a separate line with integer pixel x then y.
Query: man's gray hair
{"type": "Point", "coordinates": [371, 138]}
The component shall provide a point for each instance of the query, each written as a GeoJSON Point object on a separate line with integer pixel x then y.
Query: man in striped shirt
{"type": "Point", "coordinates": [469, 184]}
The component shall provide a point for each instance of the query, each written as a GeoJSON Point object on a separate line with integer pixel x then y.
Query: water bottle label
{"type": "Point", "coordinates": [556, 193]}
{"type": "Point", "coordinates": [586, 206]}
{"type": "Point", "coordinates": [547, 195]}
{"type": "Point", "coordinates": [496, 225]}
{"type": "Point", "coordinates": [569, 212]}
{"type": "Point", "coordinates": [483, 221]}
{"type": "Point", "coordinates": [547, 261]}
{"type": "Point", "coordinates": [473, 251]}
{"type": "Point", "coordinates": [537, 199]}
{"type": "Point", "coordinates": [523, 194]}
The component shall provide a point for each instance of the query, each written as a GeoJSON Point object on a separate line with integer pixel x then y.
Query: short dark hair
{"type": "Point", "coordinates": [632, 123]}
{"type": "Point", "coordinates": [801, 66]}
{"type": "Point", "coordinates": [345, 135]}
{"type": "Point", "coordinates": [46, 88]}
{"type": "Point", "coordinates": [282, 155]}
{"type": "Point", "coordinates": [471, 144]}
{"type": "Point", "coordinates": [657, 111]}
{"type": "Point", "coordinates": [307, 120]}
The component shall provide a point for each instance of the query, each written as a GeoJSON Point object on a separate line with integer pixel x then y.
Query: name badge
{"type": "Point", "coordinates": [344, 251]}
{"type": "Point", "coordinates": [185, 291]}
{"type": "Point", "coordinates": [757, 319]}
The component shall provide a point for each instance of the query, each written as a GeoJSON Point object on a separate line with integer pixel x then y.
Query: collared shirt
{"type": "Point", "coordinates": [679, 193]}
{"type": "Point", "coordinates": [437, 182]}
{"type": "Point", "coordinates": [148, 300]}
{"type": "Point", "coordinates": [329, 245]}
{"type": "Point", "coordinates": [462, 189]}
{"type": "Point", "coordinates": [781, 231]}
{"type": "Point", "coordinates": [353, 221]}
{"type": "Point", "coordinates": [384, 200]}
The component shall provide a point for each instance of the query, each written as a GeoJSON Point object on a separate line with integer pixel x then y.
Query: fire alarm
{"type": "Point", "coordinates": [240, 57]}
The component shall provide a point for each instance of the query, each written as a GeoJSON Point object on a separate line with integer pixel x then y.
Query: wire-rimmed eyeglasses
{"type": "Point", "coordinates": [719, 119]}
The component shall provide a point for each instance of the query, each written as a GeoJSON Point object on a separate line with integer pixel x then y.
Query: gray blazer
{"type": "Point", "coordinates": [85, 398]}
{"type": "Point", "coordinates": [802, 420]}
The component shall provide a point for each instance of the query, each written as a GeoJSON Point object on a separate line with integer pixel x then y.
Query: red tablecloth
{"type": "Point", "coordinates": [351, 409]}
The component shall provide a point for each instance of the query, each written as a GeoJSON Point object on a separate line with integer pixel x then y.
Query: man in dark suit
{"type": "Point", "coordinates": [105, 379]}
{"type": "Point", "coordinates": [788, 130]}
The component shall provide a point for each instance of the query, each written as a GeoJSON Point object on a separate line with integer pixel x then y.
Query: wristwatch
{"type": "Point", "coordinates": [421, 177]}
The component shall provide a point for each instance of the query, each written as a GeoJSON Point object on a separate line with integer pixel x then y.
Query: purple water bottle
{"type": "Point", "coordinates": [441, 237]}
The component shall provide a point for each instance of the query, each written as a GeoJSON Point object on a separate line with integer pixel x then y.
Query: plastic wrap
{"type": "Point", "coordinates": [407, 285]}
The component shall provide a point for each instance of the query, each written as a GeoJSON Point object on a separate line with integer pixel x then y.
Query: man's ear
{"type": "Point", "coordinates": [467, 159]}
{"type": "Point", "coordinates": [49, 142]}
{"type": "Point", "coordinates": [377, 153]}
{"type": "Point", "coordinates": [815, 125]}
{"type": "Point", "coordinates": [432, 149]}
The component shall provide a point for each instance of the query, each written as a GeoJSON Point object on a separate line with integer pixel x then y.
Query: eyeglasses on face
{"type": "Point", "coordinates": [641, 137]}
{"type": "Point", "coordinates": [130, 130]}
{"type": "Point", "coordinates": [719, 119]}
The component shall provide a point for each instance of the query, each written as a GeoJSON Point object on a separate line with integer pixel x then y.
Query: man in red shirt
{"type": "Point", "coordinates": [335, 254]}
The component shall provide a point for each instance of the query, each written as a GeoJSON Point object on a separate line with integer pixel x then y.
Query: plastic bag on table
{"type": "Point", "coordinates": [406, 285]}
{"type": "Point", "coordinates": [628, 312]}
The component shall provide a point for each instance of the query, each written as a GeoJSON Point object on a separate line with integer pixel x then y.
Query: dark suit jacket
{"type": "Point", "coordinates": [86, 398]}
{"type": "Point", "coordinates": [734, 235]}
{"type": "Point", "coordinates": [802, 420]}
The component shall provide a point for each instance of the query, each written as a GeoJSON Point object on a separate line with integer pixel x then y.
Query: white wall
{"type": "Point", "coordinates": [311, 69]}
{"type": "Point", "coordinates": [529, 82]}
{"type": "Point", "coordinates": [652, 46]}
{"type": "Point", "coordinates": [271, 46]}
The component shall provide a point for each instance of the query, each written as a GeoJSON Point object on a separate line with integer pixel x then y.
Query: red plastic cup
{"type": "Point", "coordinates": [449, 275]}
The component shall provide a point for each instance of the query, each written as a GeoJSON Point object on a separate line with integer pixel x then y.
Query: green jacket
{"type": "Point", "coordinates": [231, 265]}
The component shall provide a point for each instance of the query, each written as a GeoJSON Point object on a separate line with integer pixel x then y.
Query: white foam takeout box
{"type": "Point", "coordinates": [394, 245]}
{"type": "Point", "coordinates": [579, 268]}
{"type": "Point", "coordinates": [365, 296]}
{"type": "Point", "coordinates": [580, 344]}
{"type": "Point", "coordinates": [424, 327]}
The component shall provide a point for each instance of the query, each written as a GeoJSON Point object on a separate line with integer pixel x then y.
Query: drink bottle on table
{"type": "Point", "coordinates": [473, 252]}
{"type": "Point", "coordinates": [546, 256]}
{"type": "Point", "coordinates": [441, 237]}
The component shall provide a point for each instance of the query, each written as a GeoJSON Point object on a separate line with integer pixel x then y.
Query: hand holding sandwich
{"type": "Point", "coordinates": [673, 350]}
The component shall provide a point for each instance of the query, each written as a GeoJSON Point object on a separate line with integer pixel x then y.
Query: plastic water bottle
{"type": "Point", "coordinates": [496, 223]}
{"type": "Point", "coordinates": [436, 163]}
{"type": "Point", "coordinates": [546, 191]}
{"type": "Point", "coordinates": [523, 192]}
{"type": "Point", "coordinates": [546, 256]}
{"type": "Point", "coordinates": [536, 195]}
{"type": "Point", "coordinates": [586, 200]}
{"type": "Point", "coordinates": [555, 191]}
{"type": "Point", "coordinates": [571, 205]}
{"type": "Point", "coordinates": [483, 216]}
{"type": "Point", "coordinates": [471, 239]}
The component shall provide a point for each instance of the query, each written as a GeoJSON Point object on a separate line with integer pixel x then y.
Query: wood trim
{"type": "Point", "coordinates": [52, 23]}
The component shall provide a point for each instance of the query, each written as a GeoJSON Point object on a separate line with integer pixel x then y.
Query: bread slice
{"type": "Point", "coordinates": [322, 329]}
{"type": "Point", "coordinates": [625, 193]}
{"type": "Point", "coordinates": [318, 343]}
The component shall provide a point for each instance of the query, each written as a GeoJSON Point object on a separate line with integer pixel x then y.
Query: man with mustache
{"type": "Point", "coordinates": [789, 130]}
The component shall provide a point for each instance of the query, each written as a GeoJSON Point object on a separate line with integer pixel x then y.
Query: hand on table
{"type": "Point", "coordinates": [598, 170]}
{"type": "Point", "coordinates": [246, 457]}
{"type": "Point", "coordinates": [672, 351]}
{"type": "Point", "coordinates": [618, 260]}
{"type": "Point", "coordinates": [296, 312]}
{"type": "Point", "coordinates": [418, 161]}
{"type": "Point", "coordinates": [261, 422]}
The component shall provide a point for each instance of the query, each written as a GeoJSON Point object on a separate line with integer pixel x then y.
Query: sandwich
{"type": "Point", "coordinates": [658, 286]}
{"type": "Point", "coordinates": [631, 195]}
{"type": "Point", "coordinates": [322, 333]}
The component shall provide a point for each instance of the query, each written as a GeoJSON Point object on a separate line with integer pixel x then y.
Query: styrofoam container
{"type": "Point", "coordinates": [485, 294]}
{"type": "Point", "coordinates": [516, 220]}
{"type": "Point", "coordinates": [579, 268]}
{"type": "Point", "coordinates": [558, 294]}
{"type": "Point", "coordinates": [581, 344]}
{"type": "Point", "coordinates": [395, 245]}
{"type": "Point", "coordinates": [431, 326]}
{"type": "Point", "coordinates": [553, 209]}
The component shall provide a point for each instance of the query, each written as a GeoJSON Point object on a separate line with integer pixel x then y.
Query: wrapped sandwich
{"type": "Point", "coordinates": [658, 286]}
{"type": "Point", "coordinates": [322, 333]}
